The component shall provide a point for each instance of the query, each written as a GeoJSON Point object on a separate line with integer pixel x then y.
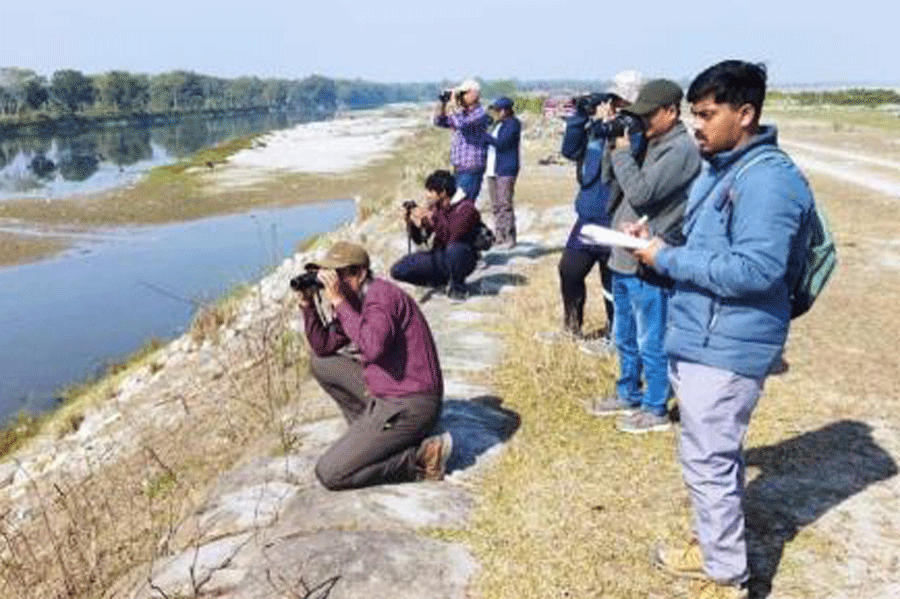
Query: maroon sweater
{"type": "Point", "coordinates": [454, 223]}
{"type": "Point", "coordinates": [398, 352]}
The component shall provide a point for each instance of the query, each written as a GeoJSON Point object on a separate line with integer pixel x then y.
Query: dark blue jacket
{"type": "Point", "coordinates": [587, 145]}
{"type": "Point", "coordinates": [507, 145]}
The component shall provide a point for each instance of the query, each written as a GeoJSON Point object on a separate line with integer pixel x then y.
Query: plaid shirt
{"type": "Point", "coordinates": [468, 145]}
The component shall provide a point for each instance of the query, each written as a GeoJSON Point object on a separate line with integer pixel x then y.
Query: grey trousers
{"type": "Point", "coordinates": [383, 436]}
{"type": "Point", "coordinates": [715, 407]}
{"type": "Point", "coordinates": [500, 190]}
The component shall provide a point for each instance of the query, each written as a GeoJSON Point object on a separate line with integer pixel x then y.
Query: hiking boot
{"type": "Point", "coordinates": [601, 346]}
{"type": "Point", "coordinates": [710, 589]}
{"type": "Point", "coordinates": [611, 406]}
{"type": "Point", "coordinates": [642, 421]}
{"type": "Point", "coordinates": [685, 561]}
{"type": "Point", "coordinates": [433, 455]}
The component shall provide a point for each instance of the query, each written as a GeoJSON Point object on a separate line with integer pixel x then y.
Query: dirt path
{"type": "Point", "coordinates": [872, 172]}
{"type": "Point", "coordinates": [824, 488]}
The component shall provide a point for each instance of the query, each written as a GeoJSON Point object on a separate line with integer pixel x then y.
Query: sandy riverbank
{"type": "Point", "coordinates": [350, 141]}
{"type": "Point", "coordinates": [354, 155]}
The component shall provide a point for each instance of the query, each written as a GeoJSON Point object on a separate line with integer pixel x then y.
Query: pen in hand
{"type": "Point", "coordinates": [636, 229]}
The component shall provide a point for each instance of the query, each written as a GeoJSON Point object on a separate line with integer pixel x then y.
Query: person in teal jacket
{"type": "Point", "coordinates": [744, 238]}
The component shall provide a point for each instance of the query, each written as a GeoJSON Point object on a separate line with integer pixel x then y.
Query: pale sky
{"type": "Point", "coordinates": [406, 40]}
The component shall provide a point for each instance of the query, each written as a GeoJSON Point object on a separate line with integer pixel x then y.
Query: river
{"type": "Point", "coordinates": [63, 319]}
{"type": "Point", "coordinates": [54, 166]}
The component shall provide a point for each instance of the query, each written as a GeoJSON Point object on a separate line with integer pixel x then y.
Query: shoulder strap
{"type": "Point", "coordinates": [743, 168]}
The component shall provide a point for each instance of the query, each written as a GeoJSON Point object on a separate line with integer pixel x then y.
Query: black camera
{"type": "Point", "coordinates": [588, 103]}
{"type": "Point", "coordinates": [624, 121]}
{"type": "Point", "coordinates": [445, 96]}
{"type": "Point", "coordinates": [408, 206]}
{"type": "Point", "coordinates": [308, 281]}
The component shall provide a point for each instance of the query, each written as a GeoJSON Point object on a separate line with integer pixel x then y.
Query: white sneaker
{"type": "Point", "coordinates": [601, 346]}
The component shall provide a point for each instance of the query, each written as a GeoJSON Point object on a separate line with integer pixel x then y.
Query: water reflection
{"type": "Point", "coordinates": [62, 165]}
{"type": "Point", "coordinates": [63, 319]}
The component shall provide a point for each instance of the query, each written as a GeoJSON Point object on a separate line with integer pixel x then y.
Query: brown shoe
{"type": "Point", "coordinates": [684, 561]}
{"type": "Point", "coordinates": [710, 589]}
{"type": "Point", "coordinates": [433, 455]}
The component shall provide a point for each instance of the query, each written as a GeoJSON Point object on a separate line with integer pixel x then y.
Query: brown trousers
{"type": "Point", "coordinates": [382, 441]}
{"type": "Point", "coordinates": [501, 190]}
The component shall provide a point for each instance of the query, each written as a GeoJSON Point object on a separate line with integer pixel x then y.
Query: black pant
{"type": "Point", "coordinates": [574, 266]}
{"type": "Point", "coordinates": [437, 267]}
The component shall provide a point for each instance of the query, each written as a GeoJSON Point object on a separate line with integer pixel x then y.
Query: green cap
{"type": "Point", "coordinates": [342, 254]}
{"type": "Point", "coordinates": [656, 93]}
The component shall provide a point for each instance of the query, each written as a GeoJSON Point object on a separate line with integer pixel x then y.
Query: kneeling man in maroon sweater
{"type": "Point", "coordinates": [389, 388]}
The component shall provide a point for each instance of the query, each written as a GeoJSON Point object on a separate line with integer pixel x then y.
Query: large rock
{"type": "Point", "coordinates": [333, 564]}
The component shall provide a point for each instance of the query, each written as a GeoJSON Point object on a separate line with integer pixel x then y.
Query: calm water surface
{"type": "Point", "coordinates": [63, 319]}
{"type": "Point", "coordinates": [55, 166]}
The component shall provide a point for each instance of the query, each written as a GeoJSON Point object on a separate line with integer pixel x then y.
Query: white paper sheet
{"type": "Point", "coordinates": [597, 235]}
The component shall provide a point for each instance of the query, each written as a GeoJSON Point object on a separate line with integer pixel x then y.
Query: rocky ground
{"type": "Point", "coordinates": [263, 527]}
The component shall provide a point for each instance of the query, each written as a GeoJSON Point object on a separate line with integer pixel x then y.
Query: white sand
{"type": "Point", "coordinates": [349, 141]}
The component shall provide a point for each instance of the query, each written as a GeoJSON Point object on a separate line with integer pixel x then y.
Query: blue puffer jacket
{"type": "Point", "coordinates": [744, 250]}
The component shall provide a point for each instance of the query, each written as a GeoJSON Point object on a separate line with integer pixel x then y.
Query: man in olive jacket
{"type": "Point", "coordinates": [654, 189]}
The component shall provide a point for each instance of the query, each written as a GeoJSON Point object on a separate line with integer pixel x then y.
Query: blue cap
{"type": "Point", "coordinates": [502, 102]}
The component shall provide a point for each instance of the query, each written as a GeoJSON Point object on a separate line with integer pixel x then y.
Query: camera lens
{"type": "Point", "coordinates": [307, 280]}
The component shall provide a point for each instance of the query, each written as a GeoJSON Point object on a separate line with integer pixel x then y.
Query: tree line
{"type": "Point", "coordinates": [871, 98]}
{"type": "Point", "coordinates": [24, 93]}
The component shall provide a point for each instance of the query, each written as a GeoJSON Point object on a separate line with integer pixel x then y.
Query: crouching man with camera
{"type": "Point", "coordinates": [454, 231]}
{"type": "Point", "coordinates": [391, 396]}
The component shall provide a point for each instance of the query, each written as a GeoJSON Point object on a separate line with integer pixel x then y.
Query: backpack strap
{"type": "Point", "coordinates": [758, 157]}
{"type": "Point", "coordinates": [726, 180]}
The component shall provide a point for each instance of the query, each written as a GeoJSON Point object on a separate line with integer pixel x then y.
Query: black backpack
{"type": "Point", "coordinates": [483, 238]}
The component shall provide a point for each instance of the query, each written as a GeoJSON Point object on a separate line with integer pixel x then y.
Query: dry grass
{"type": "Point", "coordinates": [88, 531]}
{"type": "Point", "coordinates": [572, 504]}
{"type": "Point", "coordinates": [212, 318]}
{"type": "Point", "coordinates": [839, 118]}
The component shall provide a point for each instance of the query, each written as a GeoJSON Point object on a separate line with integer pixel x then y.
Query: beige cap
{"type": "Point", "coordinates": [626, 85]}
{"type": "Point", "coordinates": [342, 254]}
{"type": "Point", "coordinates": [469, 84]}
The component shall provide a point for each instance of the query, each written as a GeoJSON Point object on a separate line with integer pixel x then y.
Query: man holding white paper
{"type": "Point", "coordinates": [655, 190]}
{"type": "Point", "coordinates": [745, 238]}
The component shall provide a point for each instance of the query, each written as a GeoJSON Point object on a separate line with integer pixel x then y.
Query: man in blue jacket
{"type": "Point", "coordinates": [745, 232]}
{"type": "Point", "coordinates": [501, 170]}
